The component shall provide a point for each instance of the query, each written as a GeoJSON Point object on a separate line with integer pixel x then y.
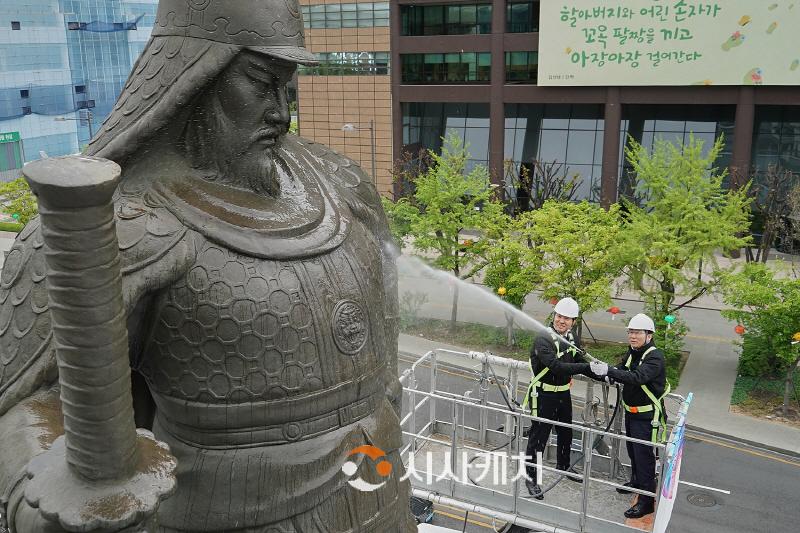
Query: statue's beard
{"type": "Point", "coordinates": [214, 147]}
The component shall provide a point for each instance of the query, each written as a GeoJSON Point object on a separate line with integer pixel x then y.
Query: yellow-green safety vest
{"type": "Point", "coordinates": [659, 422]}
{"type": "Point", "coordinates": [531, 394]}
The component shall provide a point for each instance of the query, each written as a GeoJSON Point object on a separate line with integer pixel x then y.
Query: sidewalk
{"type": "Point", "coordinates": [709, 375]}
{"type": "Point", "coordinates": [6, 242]}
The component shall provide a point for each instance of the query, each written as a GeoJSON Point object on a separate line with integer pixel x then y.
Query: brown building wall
{"type": "Point", "coordinates": [326, 103]}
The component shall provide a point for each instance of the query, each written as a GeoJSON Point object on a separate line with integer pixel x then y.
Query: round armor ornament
{"type": "Point", "coordinates": [349, 327]}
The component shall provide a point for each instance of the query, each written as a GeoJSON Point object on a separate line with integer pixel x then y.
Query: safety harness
{"type": "Point", "coordinates": [536, 381]}
{"type": "Point", "coordinates": [659, 422]}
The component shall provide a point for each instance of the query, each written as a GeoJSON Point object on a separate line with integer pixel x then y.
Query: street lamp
{"type": "Point", "coordinates": [89, 120]}
{"type": "Point", "coordinates": [355, 127]}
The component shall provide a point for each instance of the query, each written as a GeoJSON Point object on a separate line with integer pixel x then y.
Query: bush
{"type": "Point", "coordinates": [768, 306]}
{"type": "Point", "coordinates": [14, 227]}
{"type": "Point", "coordinates": [18, 199]}
{"type": "Point", "coordinates": [757, 357]}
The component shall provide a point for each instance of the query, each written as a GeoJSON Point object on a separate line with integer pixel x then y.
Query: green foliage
{"type": "Point", "coordinates": [17, 198]}
{"type": "Point", "coordinates": [504, 272]}
{"type": "Point", "coordinates": [400, 215]}
{"type": "Point", "coordinates": [756, 357]}
{"type": "Point", "coordinates": [293, 128]}
{"type": "Point", "coordinates": [768, 307]}
{"type": "Point", "coordinates": [572, 250]}
{"type": "Point", "coordinates": [745, 386]}
{"type": "Point", "coordinates": [670, 341]}
{"type": "Point", "coordinates": [411, 303]}
{"type": "Point", "coordinates": [447, 200]}
{"type": "Point", "coordinates": [684, 215]}
{"type": "Point", "coordinates": [13, 227]}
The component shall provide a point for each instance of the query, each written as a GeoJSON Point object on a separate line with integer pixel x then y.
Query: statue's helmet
{"type": "Point", "coordinates": [191, 43]}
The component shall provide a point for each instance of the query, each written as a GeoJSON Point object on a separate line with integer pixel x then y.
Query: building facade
{"type": "Point", "coordinates": [62, 65]}
{"type": "Point", "coordinates": [345, 102]}
{"type": "Point", "coordinates": [470, 68]}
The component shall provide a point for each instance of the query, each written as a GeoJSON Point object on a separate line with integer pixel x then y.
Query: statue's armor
{"type": "Point", "coordinates": [265, 369]}
{"type": "Point", "coordinates": [238, 329]}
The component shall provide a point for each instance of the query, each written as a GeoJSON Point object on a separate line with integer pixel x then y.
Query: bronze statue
{"type": "Point", "coordinates": [259, 295]}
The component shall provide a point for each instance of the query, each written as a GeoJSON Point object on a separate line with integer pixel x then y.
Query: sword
{"type": "Point", "coordinates": [101, 475]}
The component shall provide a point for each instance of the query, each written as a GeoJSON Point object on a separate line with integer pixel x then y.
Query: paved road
{"type": "Point", "coordinates": [756, 490]}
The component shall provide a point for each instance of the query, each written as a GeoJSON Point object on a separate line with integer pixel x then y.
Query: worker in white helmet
{"type": "Point", "coordinates": [553, 363]}
{"type": "Point", "coordinates": [643, 374]}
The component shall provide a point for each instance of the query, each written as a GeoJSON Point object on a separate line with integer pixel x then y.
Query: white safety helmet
{"type": "Point", "coordinates": [567, 307]}
{"type": "Point", "coordinates": [642, 321]}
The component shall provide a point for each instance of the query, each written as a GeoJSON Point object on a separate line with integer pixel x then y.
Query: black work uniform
{"type": "Point", "coordinates": [643, 367]}
{"type": "Point", "coordinates": [549, 396]}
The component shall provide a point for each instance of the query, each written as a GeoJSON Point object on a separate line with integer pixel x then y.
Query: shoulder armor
{"type": "Point", "coordinates": [147, 234]}
{"type": "Point", "coordinates": [353, 183]}
{"type": "Point", "coordinates": [26, 354]}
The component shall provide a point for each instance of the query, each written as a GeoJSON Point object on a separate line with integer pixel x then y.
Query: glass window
{"type": "Point", "coordinates": [484, 18]}
{"type": "Point", "coordinates": [424, 125]}
{"type": "Point", "coordinates": [559, 134]}
{"type": "Point", "coordinates": [777, 138]}
{"type": "Point", "coordinates": [352, 15]}
{"type": "Point", "coordinates": [463, 67]}
{"type": "Point", "coordinates": [553, 145]}
{"type": "Point", "coordinates": [522, 17]}
{"type": "Point", "coordinates": [676, 124]}
{"type": "Point", "coordinates": [521, 67]}
{"type": "Point", "coordinates": [556, 117]}
{"type": "Point", "coordinates": [580, 147]}
{"type": "Point", "coordinates": [446, 20]}
{"type": "Point", "coordinates": [349, 64]}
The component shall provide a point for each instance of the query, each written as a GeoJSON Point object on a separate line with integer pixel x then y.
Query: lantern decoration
{"type": "Point", "coordinates": [501, 291]}
{"type": "Point", "coordinates": [739, 329]}
{"type": "Point", "coordinates": [553, 300]}
{"type": "Point", "coordinates": [669, 319]}
{"type": "Point", "coordinates": [15, 216]}
{"type": "Point", "coordinates": [614, 311]}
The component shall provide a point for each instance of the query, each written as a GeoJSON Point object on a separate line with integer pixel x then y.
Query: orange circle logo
{"type": "Point", "coordinates": [383, 467]}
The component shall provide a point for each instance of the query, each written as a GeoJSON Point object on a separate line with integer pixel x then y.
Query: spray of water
{"type": "Point", "coordinates": [480, 305]}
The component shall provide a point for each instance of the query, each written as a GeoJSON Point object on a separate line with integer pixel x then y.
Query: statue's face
{"type": "Point", "coordinates": [238, 121]}
{"type": "Point", "coordinates": [252, 95]}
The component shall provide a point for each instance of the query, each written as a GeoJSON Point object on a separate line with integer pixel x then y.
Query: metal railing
{"type": "Point", "coordinates": [435, 419]}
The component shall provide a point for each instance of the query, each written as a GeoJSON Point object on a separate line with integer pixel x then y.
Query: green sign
{"type": "Point", "coordinates": [669, 42]}
{"type": "Point", "coordinates": [9, 137]}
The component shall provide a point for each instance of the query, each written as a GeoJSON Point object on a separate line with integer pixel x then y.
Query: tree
{"type": "Point", "coordinates": [446, 201]}
{"type": "Point", "coordinates": [407, 169]}
{"type": "Point", "coordinates": [536, 182]}
{"type": "Point", "coordinates": [771, 202]}
{"type": "Point", "coordinates": [504, 274]}
{"type": "Point", "coordinates": [576, 250]}
{"type": "Point", "coordinates": [682, 216]}
{"type": "Point", "coordinates": [769, 309]}
{"type": "Point", "coordinates": [16, 198]}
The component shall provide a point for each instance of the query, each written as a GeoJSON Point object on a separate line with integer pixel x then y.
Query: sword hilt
{"type": "Point", "coordinates": [88, 315]}
{"type": "Point", "coordinates": [103, 474]}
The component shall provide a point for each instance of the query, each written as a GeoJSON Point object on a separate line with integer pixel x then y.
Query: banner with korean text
{"type": "Point", "coordinates": [669, 42]}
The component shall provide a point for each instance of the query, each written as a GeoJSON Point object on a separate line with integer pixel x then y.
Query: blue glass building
{"type": "Point", "coordinates": [62, 65]}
